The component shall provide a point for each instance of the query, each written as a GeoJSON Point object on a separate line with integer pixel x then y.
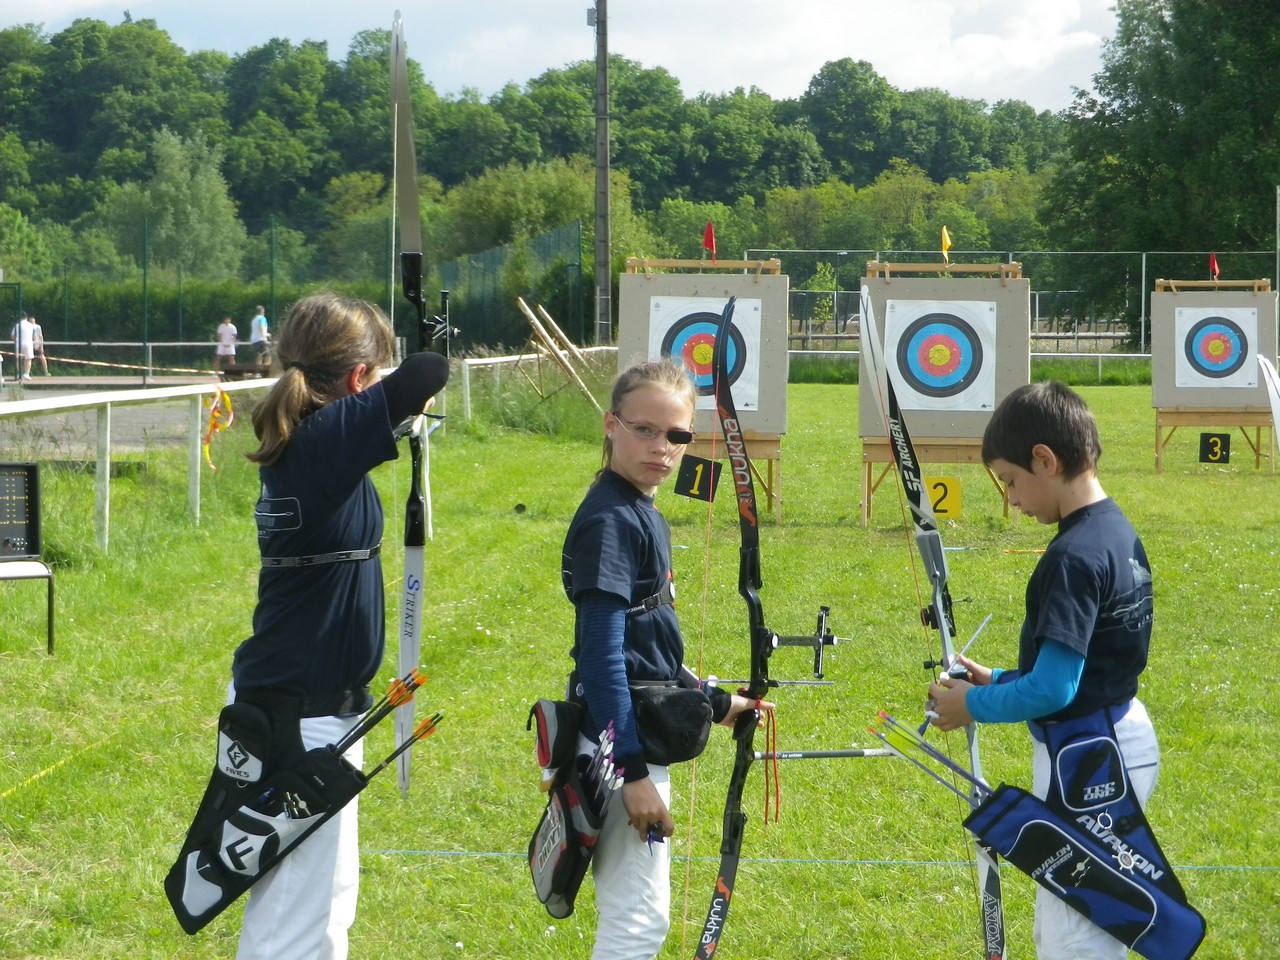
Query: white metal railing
{"type": "Point", "coordinates": [497, 363]}
{"type": "Point", "coordinates": [102, 402]}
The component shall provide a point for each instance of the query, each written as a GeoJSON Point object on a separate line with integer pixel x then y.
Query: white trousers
{"type": "Point", "coordinates": [633, 882]}
{"type": "Point", "coordinates": [303, 908]}
{"type": "Point", "coordinates": [1062, 933]}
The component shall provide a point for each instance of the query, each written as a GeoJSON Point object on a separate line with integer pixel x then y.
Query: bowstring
{"type": "Point", "coordinates": [702, 636]}
{"type": "Point", "coordinates": [908, 526]}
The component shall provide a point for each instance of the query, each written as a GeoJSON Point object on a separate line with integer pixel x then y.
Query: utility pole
{"type": "Point", "coordinates": [598, 17]}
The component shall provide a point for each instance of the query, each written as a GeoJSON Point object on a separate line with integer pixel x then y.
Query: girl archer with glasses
{"type": "Point", "coordinates": [616, 569]}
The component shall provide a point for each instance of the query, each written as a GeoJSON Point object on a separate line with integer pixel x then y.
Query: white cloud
{"type": "Point", "coordinates": [984, 49]}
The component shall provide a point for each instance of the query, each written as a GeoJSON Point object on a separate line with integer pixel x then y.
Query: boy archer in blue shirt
{"type": "Point", "coordinates": [1084, 638]}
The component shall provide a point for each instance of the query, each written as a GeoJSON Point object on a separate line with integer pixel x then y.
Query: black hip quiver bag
{"type": "Point", "coordinates": [1090, 844]}
{"type": "Point", "coordinates": [565, 838]}
{"type": "Point", "coordinates": [266, 795]}
{"type": "Point", "coordinates": [672, 722]}
{"type": "Point", "coordinates": [578, 788]}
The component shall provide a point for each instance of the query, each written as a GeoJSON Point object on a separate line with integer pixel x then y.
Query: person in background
{"type": "Point", "coordinates": [37, 345]}
{"type": "Point", "coordinates": [23, 336]}
{"type": "Point", "coordinates": [226, 338]}
{"type": "Point", "coordinates": [260, 337]}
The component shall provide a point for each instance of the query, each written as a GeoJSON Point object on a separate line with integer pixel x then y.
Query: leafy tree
{"type": "Point", "coordinates": [284, 253]}
{"type": "Point", "coordinates": [1022, 139]}
{"type": "Point", "coordinates": [849, 108]}
{"type": "Point", "coordinates": [898, 209]}
{"type": "Point", "coordinates": [280, 109]}
{"type": "Point", "coordinates": [106, 87]}
{"type": "Point", "coordinates": [680, 226]}
{"type": "Point", "coordinates": [191, 219]}
{"type": "Point", "coordinates": [23, 50]}
{"type": "Point", "coordinates": [1180, 138]}
{"type": "Point", "coordinates": [1005, 202]}
{"type": "Point", "coordinates": [24, 255]}
{"type": "Point", "coordinates": [944, 136]}
{"type": "Point", "coordinates": [470, 137]}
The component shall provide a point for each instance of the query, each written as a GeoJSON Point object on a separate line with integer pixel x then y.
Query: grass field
{"type": "Point", "coordinates": [107, 745]}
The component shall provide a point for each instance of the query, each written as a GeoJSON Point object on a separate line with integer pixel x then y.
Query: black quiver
{"type": "Point", "coordinates": [266, 795]}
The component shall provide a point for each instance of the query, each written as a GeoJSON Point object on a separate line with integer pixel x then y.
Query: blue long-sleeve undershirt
{"type": "Point", "coordinates": [1012, 697]}
{"type": "Point", "coordinates": [602, 619]}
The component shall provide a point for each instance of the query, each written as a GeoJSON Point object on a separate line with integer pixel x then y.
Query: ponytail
{"type": "Point", "coordinates": [322, 338]}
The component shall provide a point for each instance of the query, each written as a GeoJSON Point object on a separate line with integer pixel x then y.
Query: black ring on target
{"type": "Point", "coordinates": [939, 355]}
{"type": "Point", "coordinates": [691, 339]}
{"type": "Point", "coordinates": [1216, 347]}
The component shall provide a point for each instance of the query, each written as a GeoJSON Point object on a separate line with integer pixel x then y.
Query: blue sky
{"type": "Point", "coordinates": [983, 49]}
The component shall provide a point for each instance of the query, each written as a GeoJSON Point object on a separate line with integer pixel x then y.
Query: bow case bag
{"type": "Point", "coordinates": [266, 795]}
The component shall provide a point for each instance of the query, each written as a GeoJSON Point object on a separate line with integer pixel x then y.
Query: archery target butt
{"type": "Point", "coordinates": [1204, 347]}
{"type": "Point", "coordinates": [676, 315]}
{"type": "Point", "coordinates": [954, 348]}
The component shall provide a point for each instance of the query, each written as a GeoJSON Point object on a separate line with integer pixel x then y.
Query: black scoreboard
{"type": "Point", "coordinates": [19, 511]}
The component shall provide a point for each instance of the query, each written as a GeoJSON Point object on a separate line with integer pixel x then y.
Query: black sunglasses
{"type": "Point", "coordinates": [646, 432]}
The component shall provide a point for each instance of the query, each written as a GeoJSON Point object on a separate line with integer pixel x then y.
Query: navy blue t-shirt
{"type": "Point", "coordinates": [1092, 592]}
{"type": "Point", "coordinates": [620, 544]}
{"type": "Point", "coordinates": [618, 548]}
{"type": "Point", "coordinates": [320, 628]}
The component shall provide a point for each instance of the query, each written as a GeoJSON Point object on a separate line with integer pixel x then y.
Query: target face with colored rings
{"type": "Point", "coordinates": [939, 355]}
{"type": "Point", "coordinates": [691, 340]}
{"type": "Point", "coordinates": [1216, 347]}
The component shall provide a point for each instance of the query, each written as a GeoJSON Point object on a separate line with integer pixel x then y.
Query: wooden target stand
{"type": "Point", "coordinates": [558, 349]}
{"type": "Point", "coordinates": [762, 448]}
{"type": "Point", "coordinates": [928, 450]}
{"type": "Point", "coordinates": [876, 450]}
{"type": "Point", "coordinates": [1169, 419]}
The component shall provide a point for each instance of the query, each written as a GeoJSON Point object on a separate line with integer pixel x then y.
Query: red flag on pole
{"type": "Point", "coordinates": [1213, 265]}
{"type": "Point", "coordinates": [709, 240]}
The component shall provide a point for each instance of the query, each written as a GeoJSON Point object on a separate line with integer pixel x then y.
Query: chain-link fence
{"type": "Point", "coordinates": [138, 283]}
{"type": "Point", "coordinates": [1081, 302]}
{"type": "Point", "coordinates": [544, 270]}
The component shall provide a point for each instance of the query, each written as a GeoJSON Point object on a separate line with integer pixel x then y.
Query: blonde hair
{"type": "Point", "coordinates": [322, 339]}
{"type": "Point", "coordinates": [665, 374]}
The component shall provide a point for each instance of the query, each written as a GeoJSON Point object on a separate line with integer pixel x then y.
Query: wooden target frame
{"type": "Point", "coordinates": [1205, 338]}
{"type": "Point", "coordinates": [954, 347]}
{"type": "Point", "coordinates": [665, 309]}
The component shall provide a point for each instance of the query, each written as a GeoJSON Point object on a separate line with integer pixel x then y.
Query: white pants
{"type": "Point", "coordinates": [633, 882]}
{"type": "Point", "coordinates": [303, 908]}
{"type": "Point", "coordinates": [1060, 932]}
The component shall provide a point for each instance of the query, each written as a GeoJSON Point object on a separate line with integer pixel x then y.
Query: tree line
{"type": "Point", "coordinates": [105, 128]}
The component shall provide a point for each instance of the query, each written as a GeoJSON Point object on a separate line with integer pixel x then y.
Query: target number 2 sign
{"type": "Point", "coordinates": [944, 496]}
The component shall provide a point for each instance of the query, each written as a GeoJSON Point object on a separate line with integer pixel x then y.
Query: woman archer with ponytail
{"type": "Point", "coordinates": [318, 627]}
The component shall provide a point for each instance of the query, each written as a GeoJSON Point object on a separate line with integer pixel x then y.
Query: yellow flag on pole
{"type": "Point", "coordinates": [946, 245]}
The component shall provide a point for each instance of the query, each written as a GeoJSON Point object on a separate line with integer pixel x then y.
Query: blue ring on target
{"type": "Point", "coordinates": [939, 355]}
{"type": "Point", "coordinates": [691, 340]}
{"type": "Point", "coordinates": [1216, 347]}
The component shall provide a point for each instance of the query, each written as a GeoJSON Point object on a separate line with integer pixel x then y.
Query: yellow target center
{"type": "Point", "coordinates": [1217, 348]}
{"type": "Point", "coordinates": [939, 355]}
{"type": "Point", "coordinates": [702, 354]}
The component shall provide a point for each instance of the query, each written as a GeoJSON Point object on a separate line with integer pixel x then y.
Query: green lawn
{"type": "Point", "coordinates": [107, 745]}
